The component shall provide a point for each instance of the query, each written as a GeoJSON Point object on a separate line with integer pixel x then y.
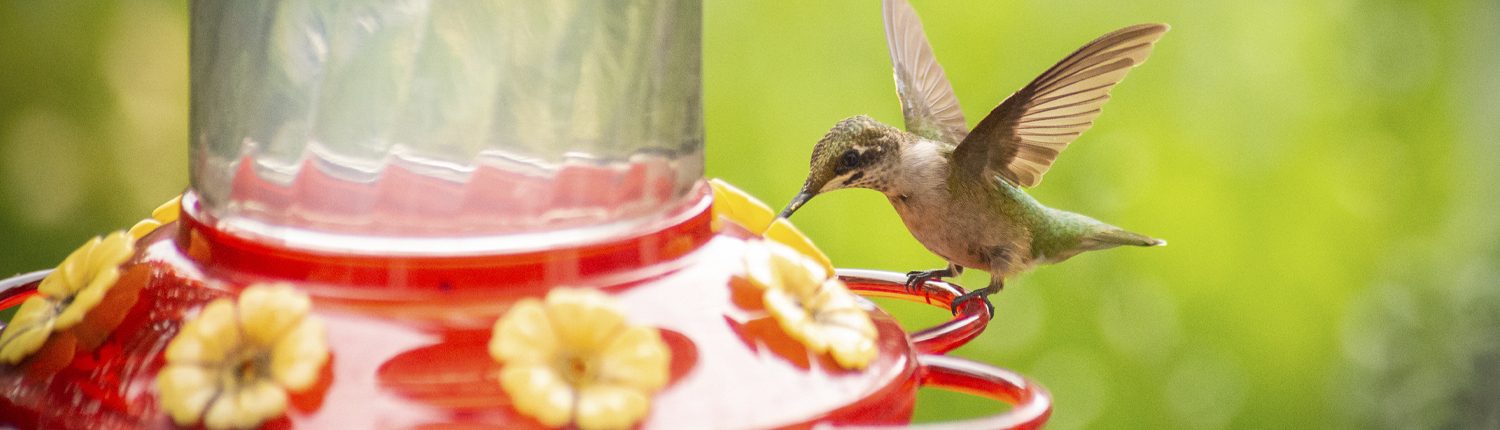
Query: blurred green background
{"type": "Point", "coordinates": [1326, 172]}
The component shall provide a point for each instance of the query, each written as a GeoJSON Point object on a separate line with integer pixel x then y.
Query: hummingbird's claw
{"type": "Point", "coordinates": [916, 279]}
{"type": "Point", "coordinates": [982, 294]}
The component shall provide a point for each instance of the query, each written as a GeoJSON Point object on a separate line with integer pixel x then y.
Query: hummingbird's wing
{"type": "Point", "coordinates": [927, 98]}
{"type": "Point", "coordinates": [1020, 138]}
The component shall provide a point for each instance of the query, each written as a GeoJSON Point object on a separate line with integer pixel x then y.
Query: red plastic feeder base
{"type": "Point", "coordinates": [408, 336]}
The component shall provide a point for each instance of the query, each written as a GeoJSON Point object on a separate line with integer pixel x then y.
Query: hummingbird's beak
{"type": "Point", "coordinates": [796, 203]}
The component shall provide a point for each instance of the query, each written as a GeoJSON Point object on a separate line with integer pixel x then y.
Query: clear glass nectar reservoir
{"type": "Point", "coordinates": [431, 127]}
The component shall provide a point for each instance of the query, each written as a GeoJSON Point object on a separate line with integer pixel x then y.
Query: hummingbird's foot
{"type": "Point", "coordinates": [916, 278]}
{"type": "Point", "coordinates": [981, 294]}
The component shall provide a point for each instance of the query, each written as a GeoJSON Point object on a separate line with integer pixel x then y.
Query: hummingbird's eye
{"type": "Point", "coordinates": [849, 159]}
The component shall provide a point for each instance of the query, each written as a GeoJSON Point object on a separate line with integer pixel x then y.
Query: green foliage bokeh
{"type": "Point", "coordinates": [1326, 172]}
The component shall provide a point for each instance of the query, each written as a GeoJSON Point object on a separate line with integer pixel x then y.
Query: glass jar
{"type": "Point", "coordinates": [401, 127]}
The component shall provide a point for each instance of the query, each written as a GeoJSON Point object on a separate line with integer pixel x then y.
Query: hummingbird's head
{"type": "Point", "coordinates": [859, 152]}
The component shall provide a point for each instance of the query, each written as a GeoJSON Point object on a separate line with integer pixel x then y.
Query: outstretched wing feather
{"type": "Point", "coordinates": [1021, 138]}
{"type": "Point", "coordinates": [927, 99]}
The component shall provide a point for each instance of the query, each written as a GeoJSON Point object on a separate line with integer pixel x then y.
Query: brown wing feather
{"type": "Point", "coordinates": [927, 99]}
{"type": "Point", "coordinates": [1021, 138]}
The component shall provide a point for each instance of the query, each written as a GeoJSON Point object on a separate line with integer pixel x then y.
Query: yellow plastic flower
{"type": "Point", "coordinates": [66, 295]}
{"type": "Point", "coordinates": [812, 307]}
{"type": "Point", "coordinates": [574, 358]}
{"type": "Point", "coordinates": [28, 330]}
{"type": "Point", "coordinates": [232, 365]}
{"type": "Point", "coordinates": [162, 215]}
{"type": "Point", "coordinates": [782, 231]}
{"type": "Point", "coordinates": [741, 208]}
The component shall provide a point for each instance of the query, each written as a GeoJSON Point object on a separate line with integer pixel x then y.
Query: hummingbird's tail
{"type": "Point", "coordinates": [1118, 237]}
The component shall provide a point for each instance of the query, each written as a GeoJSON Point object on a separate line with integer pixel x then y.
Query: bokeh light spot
{"type": "Point", "coordinates": [1139, 320]}
{"type": "Point", "coordinates": [43, 167]}
{"type": "Point", "coordinates": [1206, 390]}
{"type": "Point", "coordinates": [145, 65]}
{"type": "Point", "coordinates": [1079, 384]}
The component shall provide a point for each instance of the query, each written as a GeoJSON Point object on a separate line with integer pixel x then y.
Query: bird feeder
{"type": "Point", "coordinates": [420, 214]}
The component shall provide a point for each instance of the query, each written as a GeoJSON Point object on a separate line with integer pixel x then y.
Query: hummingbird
{"type": "Point", "coordinates": [960, 191]}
